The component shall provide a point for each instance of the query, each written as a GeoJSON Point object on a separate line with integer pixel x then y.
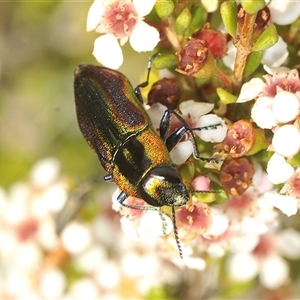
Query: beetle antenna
{"type": "Point", "coordinates": [176, 232]}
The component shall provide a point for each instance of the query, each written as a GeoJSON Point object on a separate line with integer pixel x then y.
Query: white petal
{"type": "Point", "coordinates": [228, 60]}
{"type": "Point", "coordinates": [243, 243]}
{"type": "Point", "coordinates": [253, 226]}
{"type": "Point", "coordinates": [278, 169]}
{"type": "Point", "coordinates": [242, 266]}
{"type": "Point", "coordinates": [76, 237]}
{"type": "Point", "coordinates": [144, 37]}
{"type": "Point", "coordinates": [287, 204]}
{"type": "Point", "coordinates": [155, 113]}
{"type": "Point", "coordinates": [219, 224]}
{"type": "Point", "coordinates": [214, 135]}
{"type": "Point", "coordinates": [210, 5]}
{"type": "Point", "coordinates": [45, 172]}
{"type": "Point", "coordinates": [286, 140]}
{"type": "Point", "coordinates": [52, 283]}
{"type": "Point", "coordinates": [262, 113]}
{"type": "Point", "coordinates": [143, 7]}
{"type": "Point", "coordinates": [284, 12]}
{"type": "Point", "coordinates": [129, 228]}
{"type": "Point", "coordinates": [108, 52]}
{"type": "Point", "coordinates": [285, 106]}
{"type": "Point", "coordinates": [289, 243]}
{"type": "Point", "coordinates": [94, 15]}
{"type": "Point", "coordinates": [194, 263]}
{"type": "Point", "coordinates": [276, 55]}
{"type": "Point", "coordinates": [181, 152]}
{"type": "Point", "coordinates": [274, 272]}
{"type": "Point", "coordinates": [195, 109]}
{"type": "Point", "coordinates": [251, 90]}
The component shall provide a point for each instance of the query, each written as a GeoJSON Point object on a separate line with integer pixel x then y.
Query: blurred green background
{"type": "Point", "coordinates": [41, 43]}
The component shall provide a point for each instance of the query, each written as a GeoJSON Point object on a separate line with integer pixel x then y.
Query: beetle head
{"type": "Point", "coordinates": [163, 186]}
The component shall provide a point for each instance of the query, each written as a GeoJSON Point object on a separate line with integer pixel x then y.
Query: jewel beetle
{"type": "Point", "coordinates": [114, 122]}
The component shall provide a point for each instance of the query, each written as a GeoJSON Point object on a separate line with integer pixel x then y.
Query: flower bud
{"type": "Point", "coordinates": [215, 39]}
{"type": "Point", "coordinates": [195, 59]}
{"type": "Point", "coordinates": [236, 175]}
{"type": "Point", "coordinates": [165, 91]}
{"type": "Point", "coordinates": [239, 139]}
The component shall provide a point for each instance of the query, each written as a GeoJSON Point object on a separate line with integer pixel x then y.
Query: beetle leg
{"type": "Point", "coordinates": [108, 177]}
{"type": "Point", "coordinates": [123, 196]}
{"type": "Point", "coordinates": [137, 90]}
{"type": "Point", "coordinates": [174, 138]}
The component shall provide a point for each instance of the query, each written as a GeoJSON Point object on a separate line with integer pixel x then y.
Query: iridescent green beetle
{"type": "Point", "coordinates": [113, 120]}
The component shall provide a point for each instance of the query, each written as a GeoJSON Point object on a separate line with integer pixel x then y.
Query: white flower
{"type": "Point", "coordinates": [120, 20]}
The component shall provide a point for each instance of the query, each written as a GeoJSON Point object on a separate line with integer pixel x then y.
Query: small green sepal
{"type": "Point", "coordinates": [228, 12]}
{"type": "Point", "coordinates": [164, 8]}
{"type": "Point", "coordinates": [252, 7]}
{"type": "Point", "coordinates": [183, 21]}
{"type": "Point", "coordinates": [259, 143]}
{"type": "Point", "coordinates": [225, 96]}
{"type": "Point", "coordinates": [267, 39]}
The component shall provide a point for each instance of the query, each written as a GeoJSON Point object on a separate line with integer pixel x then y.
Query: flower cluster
{"type": "Point", "coordinates": [241, 74]}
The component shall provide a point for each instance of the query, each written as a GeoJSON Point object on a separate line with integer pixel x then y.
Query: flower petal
{"type": "Point", "coordinates": [195, 109]}
{"type": "Point", "coordinates": [274, 272]}
{"type": "Point", "coordinates": [108, 52]}
{"type": "Point", "coordinates": [276, 55]}
{"type": "Point", "coordinates": [287, 204]}
{"type": "Point", "coordinates": [289, 243]}
{"type": "Point", "coordinates": [284, 12]}
{"type": "Point", "coordinates": [286, 140]}
{"type": "Point", "coordinates": [181, 152]}
{"type": "Point", "coordinates": [143, 7]}
{"type": "Point", "coordinates": [94, 15]}
{"type": "Point", "coordinates": [214, 135]}
{"type": "Point", "coordinates": [144, 37]}
{"type": "Point", "coordinates": [262, 113]}
{"type": "Point", "coordinates": [250, 90]}
{"type": "Point", "coordinates": [278, 169]}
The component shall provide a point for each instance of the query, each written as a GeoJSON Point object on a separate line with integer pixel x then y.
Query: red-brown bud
{"type": "Point", "coordinates": [215, 39]}
{"type": "Point", "coordinates": [192, 56]}
{"type": "Point", "coordinates": [239, 139]}
{"type": "Point", "coordinates": [165, 91]}
{"type": "Point", "coordinates": [236, 175]}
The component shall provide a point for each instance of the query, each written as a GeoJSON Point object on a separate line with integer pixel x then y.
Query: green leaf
{"type": "Point", "coordinates": [253, 62]}
{"type": "Point", "coordinates": [165, 61]}
{"type": "Point", "coordinates": [253, 6]}
{"type": "Point", "coordinates": [164, 8]}
{"type": "Point", "coordinates": [199, 15]}
{"type": "Point", "coordinates": [183, 21]}
{"type": "Point", "coordinates": [267, 39]}
{"type": "Point", "coordinates": [225, 96]}
{"type": "Point", "coordinates": [228, 12]}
